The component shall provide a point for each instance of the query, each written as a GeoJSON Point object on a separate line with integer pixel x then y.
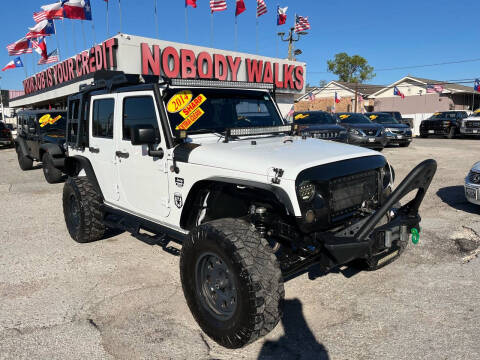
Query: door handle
{"type": "Point", "coordinates": [123, 155]}
{"type": "Point", "coordinates": [94, 150]}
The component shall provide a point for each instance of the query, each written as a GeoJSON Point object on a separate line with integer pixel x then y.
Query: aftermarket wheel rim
{"type": "Point", "coordinates": [216, 286]}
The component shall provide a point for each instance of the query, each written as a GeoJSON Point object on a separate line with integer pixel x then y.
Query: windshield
{"type": "Point", "coordinates": [314, 118]}
{"type": "Point", "coordinates": [52, 121]}
{"type": "Point", "coordinates": [382, 118]}
{"type": "Point", "coordinates": [213, 110]}
{"type": "Point", "coordinates": [353, 119]}
{"type": "Point", "coordinates": [444, 115]}
{"type": "Point", "coordinates": [475, 114]}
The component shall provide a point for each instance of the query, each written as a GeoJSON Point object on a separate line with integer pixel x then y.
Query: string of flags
{"type": "Point", "coordinates": [35, 38]}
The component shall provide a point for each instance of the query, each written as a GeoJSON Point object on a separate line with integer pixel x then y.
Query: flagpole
{"type": "Point", "coordinates": [156, 19]}
{"type": "Point", "coordinates": [83, 35]}
{"type": "Point", "coordinates": [93, 31]}
{"type": "Point", "coordinates": [25, 66]}
{"type": "Point", "coordinates": [108, 30]}
{"type": "Point", "coordinates": [211, 30]}
{"type": "Point", "coordinates": [186, 23]}
{"type": "Point", "coordinates": [120, 11]}
{"type": "Point", "coordinates": [236, 33]}
{"type": "Point", "coordinates": [256, 31]}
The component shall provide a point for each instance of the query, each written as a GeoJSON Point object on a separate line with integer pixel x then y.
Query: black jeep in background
{"type": "Point", "coordinates": [41, 137]}
{"type": "Point", "coordinates": [446, 123]}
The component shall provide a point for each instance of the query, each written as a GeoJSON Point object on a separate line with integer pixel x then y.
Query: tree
{"type": "Point", "coordinates": [322, 83]}
{"type": "Point", "coordinates": [352, 69]}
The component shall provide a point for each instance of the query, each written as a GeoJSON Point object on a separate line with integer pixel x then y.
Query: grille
{"type": "Point", "coordinates": [398, 131]}
{"type": "Point", "coordinates": [371, 132]}
{"type": "Point", "coordinates": [472, 124]}
{"type": "Point", "coordinates": [326, 135]}
{"type": "Point", "coordinates": [348, 193]}
{"type": "Point", "coordinates": [474, 177]}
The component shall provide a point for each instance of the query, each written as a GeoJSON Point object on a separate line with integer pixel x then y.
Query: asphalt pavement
{"type": "Point", "coordinates": [121, 298]}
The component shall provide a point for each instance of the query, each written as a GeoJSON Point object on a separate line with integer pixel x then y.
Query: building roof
{"type": "Point", "coordinates": [364, 90]}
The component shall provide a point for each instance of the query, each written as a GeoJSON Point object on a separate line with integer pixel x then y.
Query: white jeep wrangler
{"type": "Point", "coordinates": [213, 165]}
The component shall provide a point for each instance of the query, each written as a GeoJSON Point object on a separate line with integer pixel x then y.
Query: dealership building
{"type": "Point", "coordinates": [145, 56]}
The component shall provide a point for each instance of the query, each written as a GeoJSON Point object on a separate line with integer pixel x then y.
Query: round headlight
{"type": "Point", "coordinates": [306, 191]}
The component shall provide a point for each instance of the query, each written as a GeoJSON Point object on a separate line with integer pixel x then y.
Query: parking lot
{"type": "Point", "coordinates": [122, 298]}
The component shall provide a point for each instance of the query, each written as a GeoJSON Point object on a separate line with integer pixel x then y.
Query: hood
{"type": "Point", "coordinates": [321, 127]}
{"type": "Point", "coordinates": [292, 154]}
{"type": "Point", "coordinates": [364, 126]}
{"type": "Point", "coordinates": [476, 167]}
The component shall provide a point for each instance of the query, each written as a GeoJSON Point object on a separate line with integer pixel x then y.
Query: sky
{"type": "Point", "coordinates": [389, 34]}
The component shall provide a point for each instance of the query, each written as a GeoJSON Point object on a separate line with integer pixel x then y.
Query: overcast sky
{"type": "Point", "coordinates": [387, 33]}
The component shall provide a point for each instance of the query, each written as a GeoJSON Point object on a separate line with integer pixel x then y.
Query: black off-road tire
{"type": "Point", "coordinates": [451, 133]}
{"type": "Point", "coordinates": [24, 161]}
{"type": "Point", "coordinates": [257, 277]}
{"type": "Point", "coordinates": [51, 173]}
{"type": "Point", "coordinates": [81, 209]}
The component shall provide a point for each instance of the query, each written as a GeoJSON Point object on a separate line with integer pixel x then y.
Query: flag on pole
{"type": "Point", "coordinates": [77, 10]}
{"type": "Point", "coordinates": [192, 3]}
{"type": "Point", "coordinates": [15, 63]}
{"type": "Point", "coordinates": [51, 58]}
{"type": "Point", "coordinates": [218, 5]}
{"type": "Point", "coordinates": [261, 8]}
{"type": "Point", "coordinates": [281, 15]}
{"type": "Point", "coordinates": [53, 11]}
{"type": "Point", "coordinates": [476, 85]}
{"type": "Point", "coordinates": [40, 46]}
{"type": "Point", "coordinates": [337, 98]}
{"type": "Point", "coordinates": [301, 23]}
{"type": "Point", "coordinates": [311, 96]}
{"type": "Point", "coordinates": [43, 28]}
{"type": "Point", "coordinates": [397, 92]}
{"type": "Point", "coordinates": [19, 47]}
{"type": "Point", "coordinates": [240, 7]}
{"type": "Point", "coordinates": [434, 89]}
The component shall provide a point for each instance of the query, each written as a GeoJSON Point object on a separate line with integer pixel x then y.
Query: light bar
{"type": "Point", "coordinates": [259, 130]}
{"type": "Point", "coordinates": [222, 84]}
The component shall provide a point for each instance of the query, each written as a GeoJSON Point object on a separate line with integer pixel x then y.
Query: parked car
{"type": "Point", "coordinates": [12, 128]}
{"type": "Point", "coordinates": [41, 137]}
{"type": "Point", "coordinates": [397, 133]}
{"type": "Point", "coordinates": [6, 138]}
{"type": "Point", "coordinates": [319, 124]}
{"type": "Point", "coordinates": [472, 184]}
{"type": "Point", "coordinates": [445, 123]}
{"type": "Point", "coordinates": [361, 131]}
{"type": "Point", "coordinates": [470, 126]}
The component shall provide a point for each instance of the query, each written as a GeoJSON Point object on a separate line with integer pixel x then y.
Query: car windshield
{"type": "Point", "coordinates": [212, 110]}
{"type": "Point", "coordinates": [475, 114]}
{"type": "Point", "coordinates": [382, 118]}
{"type": "Point", "coordinates": [314, 118]}
{"type": "Point", "coordinates": [52, 121]}
{"type": "Point", "coordinates": [444, 115]}
{"type": "Point", "coordinates": [353, 118]}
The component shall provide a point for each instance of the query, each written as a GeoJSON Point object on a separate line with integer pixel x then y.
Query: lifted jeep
{"type": "Point", "coordinates": [213, 166]}
{"type": "Point", "coordinates": [41, 137]}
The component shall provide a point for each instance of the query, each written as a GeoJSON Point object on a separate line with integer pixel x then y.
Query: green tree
{"type": "Point", "coordinates": [353, 69]}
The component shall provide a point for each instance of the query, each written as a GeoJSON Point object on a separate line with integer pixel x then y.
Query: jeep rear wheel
{"type": "Point", "coordinates": [51, 173]}
{"type": "Point", "coordinates": [81, 209]}
{"type": "Point", "coordinates": [25, 162]}
{"type": "Point", "coordinates": [232, 282]}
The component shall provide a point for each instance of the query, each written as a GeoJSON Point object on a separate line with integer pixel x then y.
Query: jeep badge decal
{"type": "Point", "coordinates": [179, 182]}
{"type": "Point", "coordinates": [177, 197]}
{"type": "Point", "coordinates": [47, 119]}
{"type": "Point", "coordinates": [179, 101]}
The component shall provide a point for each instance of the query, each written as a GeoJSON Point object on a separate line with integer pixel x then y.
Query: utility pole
{"type": "Point", "coordinates": [291, 39]}
{"type": "Point", "coordinates": [356, 96]}
{"type": "Point", "coordinates": [1, 101]}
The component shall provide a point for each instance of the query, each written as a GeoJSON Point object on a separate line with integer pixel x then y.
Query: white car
{"type": "Point", "coordinates": [472, 184]}
{"type": "Point", "coordinates": [471, 125]}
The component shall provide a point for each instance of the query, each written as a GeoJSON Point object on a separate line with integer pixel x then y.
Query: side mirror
{"type": "Point", "coordinates": [143, 135]}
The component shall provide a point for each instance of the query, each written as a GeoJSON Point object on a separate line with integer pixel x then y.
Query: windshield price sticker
{"type": "Point", "coordinates": [188, 110]}
{"type": "Point", "coordinates": [48, 120]}
{"type": "Point", "coordinates": [179, 101]}
{"type": "Point", "coordinates": [373, 117]}
{"type": "Point", "coordinates": [189, 121]}
{"type": "Point", "coordinates": [301, 116]}
{"type": "Point", "coordinates": [344, 116]}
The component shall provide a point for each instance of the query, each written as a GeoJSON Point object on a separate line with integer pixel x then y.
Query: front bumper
{"type": "Point", "coordinates": [472, 192]}
{"type": "Point", "coordinates": [373, 142]}
{"type": "Point", "coordinates": [438, 130]}
{"type": "Point", "coordinates": [6, 141]}
{"type": "Point", "coordinates": [399, 139]}
{"type": "Point", "coordinates": [382, 234]}
{"type": "Point", "coordinates": [470, 131]}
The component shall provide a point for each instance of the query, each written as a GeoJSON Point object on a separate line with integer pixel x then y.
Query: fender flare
{"type": "Point", "coordinates": [53, 149]}
{"type": "Point", "coordinates": [77, 163]}
{"type": "Point", "coordinates": [20, 143]}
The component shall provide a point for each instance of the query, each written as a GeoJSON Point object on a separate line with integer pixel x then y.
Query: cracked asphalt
{"type": "Point", "coordinates": [121, 298]}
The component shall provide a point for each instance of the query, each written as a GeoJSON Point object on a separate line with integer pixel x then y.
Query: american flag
{"type": "Point", "coordinates": [301, 23]}
{"type": "Point", "coordinates": [218, 5]}
{"type": "Point", "coordinates": [311, 96]}
{"type": "Point", "coordinates": [39, 16]}
{"type": "Point", "coordinates": [19, 47]}
{"type": "Point", "coordinates": [51, 58]}
{"type": "Point", "coordinates": [261, 8]}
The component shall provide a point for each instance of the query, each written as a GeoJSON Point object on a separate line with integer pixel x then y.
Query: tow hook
{"type": "Point", "coordinates": [415, 235]}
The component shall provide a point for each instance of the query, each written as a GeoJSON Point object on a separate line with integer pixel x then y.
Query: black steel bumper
{"type": "Point", "coordinates": [379, 234]}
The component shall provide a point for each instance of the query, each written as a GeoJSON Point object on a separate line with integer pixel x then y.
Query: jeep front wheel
{"type": "Point", "coordinates": [51, 173]}
{"type": "Point", "coordinates": [232, 282]}
{"type": "Point", "coordinates": [81, 209]}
